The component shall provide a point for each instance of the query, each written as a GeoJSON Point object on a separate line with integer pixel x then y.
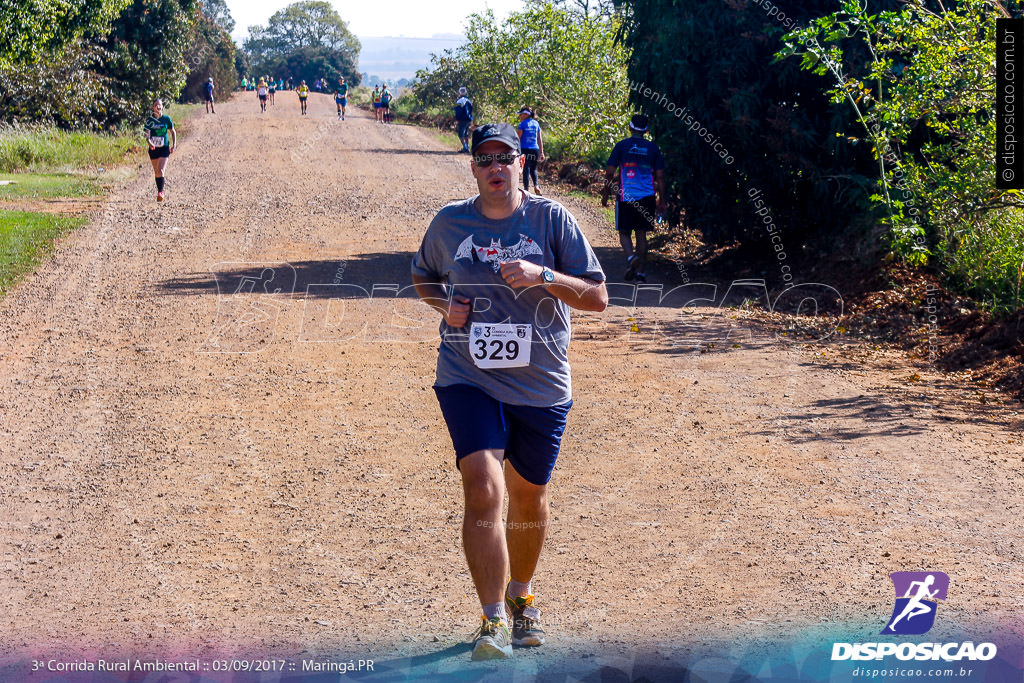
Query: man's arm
{"type": "Point", "coordinates": [455, 310]}
{"type": "Point", "coordinates": [578, 292]}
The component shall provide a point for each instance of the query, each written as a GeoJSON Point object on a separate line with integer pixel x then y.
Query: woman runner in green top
{"type": "Point", "coordinates": [162, 139]}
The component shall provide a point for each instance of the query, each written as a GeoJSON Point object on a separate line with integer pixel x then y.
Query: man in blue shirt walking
{"type": "Point", "coordinates": [641, 193]}
{"type": "Point", "coordinates": [463, 118]}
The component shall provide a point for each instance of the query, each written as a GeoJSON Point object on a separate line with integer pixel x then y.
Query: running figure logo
{"type": "Point", "coordinates": [917, 594]}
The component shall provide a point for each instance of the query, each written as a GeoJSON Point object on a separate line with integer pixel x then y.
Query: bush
{"type": "Point", "coordinates": [927, 114]}
{"type": "Point", "coordinates": [40, 148]}
{"type": "Point", "coordinates": [731, 120]}
{"type": "Point", "coordinates": [565, 65]}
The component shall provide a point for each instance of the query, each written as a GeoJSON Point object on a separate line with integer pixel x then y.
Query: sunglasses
{"type": "Point", "coordinates": [504, 158]}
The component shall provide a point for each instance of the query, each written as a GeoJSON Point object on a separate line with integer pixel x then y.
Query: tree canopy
{"type": "Point", "coordinates": [305, 40]}
{"type": "Point", "coordinates": [559, 61]}
{"type": "Point", "coordinates": [31, 28]}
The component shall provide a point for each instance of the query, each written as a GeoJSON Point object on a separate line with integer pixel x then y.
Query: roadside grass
{"type": "Point", "coordinates": [49, 185]}
{"type": "Point", "coordinates": [26, 238]}
{"type": "Point", "coordinates": [49, 150]}
{"type": "Point", "coordinates": [47, 163]}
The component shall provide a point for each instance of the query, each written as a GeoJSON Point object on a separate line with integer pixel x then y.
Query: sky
{"type": "Point", "coordinates": [369, 18]}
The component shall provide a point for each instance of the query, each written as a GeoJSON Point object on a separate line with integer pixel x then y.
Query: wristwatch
{"type": "Point", "coordinates": [547, 275]}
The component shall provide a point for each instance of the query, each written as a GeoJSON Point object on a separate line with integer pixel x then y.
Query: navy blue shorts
{"type": "Point", "coordinates": [530, 437]}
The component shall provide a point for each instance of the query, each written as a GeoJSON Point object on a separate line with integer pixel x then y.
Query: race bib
{"type": "Point", "coordinates": [157, 140]}
{"type": "Point", "coordinates": [495, 346]}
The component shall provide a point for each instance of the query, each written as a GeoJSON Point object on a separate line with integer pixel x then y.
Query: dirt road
{"type": "Point", "coordinates": [217, 435]}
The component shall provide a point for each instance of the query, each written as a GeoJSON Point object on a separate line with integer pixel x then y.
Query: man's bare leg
{"type": "Point", "coordinates": [527, 524]}
{"type": "Point", "coordinates": [483, 534]}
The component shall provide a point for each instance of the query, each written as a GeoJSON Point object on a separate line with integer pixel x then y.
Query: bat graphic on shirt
{"type": "Point", "coordinates": [496, 254]}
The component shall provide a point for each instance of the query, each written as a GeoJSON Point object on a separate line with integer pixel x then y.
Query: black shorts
{"type": "Point", "coordinates": [639, 215]}
{"type": "Point", "coordinates": [160, 152]}
{"type": "Point", "coordinates": [263, 98]}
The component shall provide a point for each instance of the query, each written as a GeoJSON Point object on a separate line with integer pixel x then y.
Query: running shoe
{"type": "Point", "coordinates": [493, 640]}
{"type": "Point", "coordinates": [526, 629]}
{"type": "Point", "coordinates": [641, 277]}
{"type": "Point", "coordinates": [160, 196]}
{"type": "Point", "coordinates": [630, 267]}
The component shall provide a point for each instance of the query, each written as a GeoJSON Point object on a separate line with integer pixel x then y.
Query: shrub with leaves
{"type": "Point", "coordinates": [926, 109]}
{"type": "Point", "coordinates": [564, 64]}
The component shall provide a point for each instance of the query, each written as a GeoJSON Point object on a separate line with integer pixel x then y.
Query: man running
{"type": "Point", "coordinates": [463, 118]}
{"type": "Point", "coordinates": [341, 97]}
{"type": "Point", "coordinates": [261, 93]}
{"type": "Point", "coordinates": [503, 269]}
{"type": "Point", "coordinates": [376, 103]}
{"type": "Point", "coordinates": [209, 96]}
{"type": "Point", "coordinates": [303, 91]}
{"type": "Point", "coordinates": [158, 128]}
{"type": "Point", "coordinates": [385, 104]}
{"type": "Point", "coordinates": [641, 174]}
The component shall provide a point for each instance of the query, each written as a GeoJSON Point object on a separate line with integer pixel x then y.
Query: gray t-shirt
{"type": "Point", "coordinates": [464, 249]}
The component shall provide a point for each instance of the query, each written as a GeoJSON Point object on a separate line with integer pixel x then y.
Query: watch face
{"type": "Point", "coordinates": [548, 275]}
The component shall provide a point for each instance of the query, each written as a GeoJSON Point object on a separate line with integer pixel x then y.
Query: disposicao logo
{"type": "Point", "coordinates": [917, 596]}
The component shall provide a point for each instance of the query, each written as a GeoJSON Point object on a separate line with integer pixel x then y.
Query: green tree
{"type": "Point", "coordinates": [58, 88]}
{"type": "Point", "coordinates": [566, 66]}
{"type": "Point", "coordinates": [31, 29]}
{"type": "Point", "coordinates": [927, 113]}
{"type": "Point", "coordinates": [145, 56]}
{"type": "Point", "coordinates": [218, 11]}
{"type": "Point", "coordinates": [732, 120]}
{"type": "Point", "coordinates": [305, 40]}
{"type": "Point", "coordinates": [211, 55]}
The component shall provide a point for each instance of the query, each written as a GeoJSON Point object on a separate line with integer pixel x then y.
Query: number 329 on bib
{"type": "Point", "coordinates": [494, 346]}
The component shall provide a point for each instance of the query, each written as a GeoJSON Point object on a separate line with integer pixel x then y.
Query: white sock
{"type": "Point", "coordinates": [519, 590]}
{"type": "Point", "coordinates": [495, 610]}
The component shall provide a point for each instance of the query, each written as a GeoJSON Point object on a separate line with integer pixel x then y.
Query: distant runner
{"type": "Point", "coordinates": [158, 128]}
{"type": "Point", "coordinates": [641, 193]}
{"type": "Point", "coordinates": [261, 93]}
{"type": "Point", "coordinates": [376, 103]}
{"type": "Point", "coordinates": [208, 88]}
{"type": "Point", "coordinates": [385, 104]}
{"type": "Point", "coordinates": [502, 375]}
{"type": "Point", "coordinates": [303, 91]}
{"type": "Point", "coordinates": [532, 140]}
{"type": "Point", "coordinates": [463, 118]}
{"type": "Point", "coordinates": [271, 88]}
{"type": "Point", "coordinates": [341, 97]}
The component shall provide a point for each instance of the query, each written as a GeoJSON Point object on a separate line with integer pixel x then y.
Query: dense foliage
{"type": "Point", "coordinates": [32, 29]}
{"type": "Point", "coordinates": [211, 55]}
{"type": "Point", "coordinates": [305, 41]}
{"type": "Point", "coordinates": [563, 63]}
{"type": "Point", "coordinates": [927, 113]}
{"type": "Point", "coordinates": [146, 49]}
{"type": "Point", "coordinates": [734, 123]}
{"type": "Point", "coordinates": [100, 64]}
